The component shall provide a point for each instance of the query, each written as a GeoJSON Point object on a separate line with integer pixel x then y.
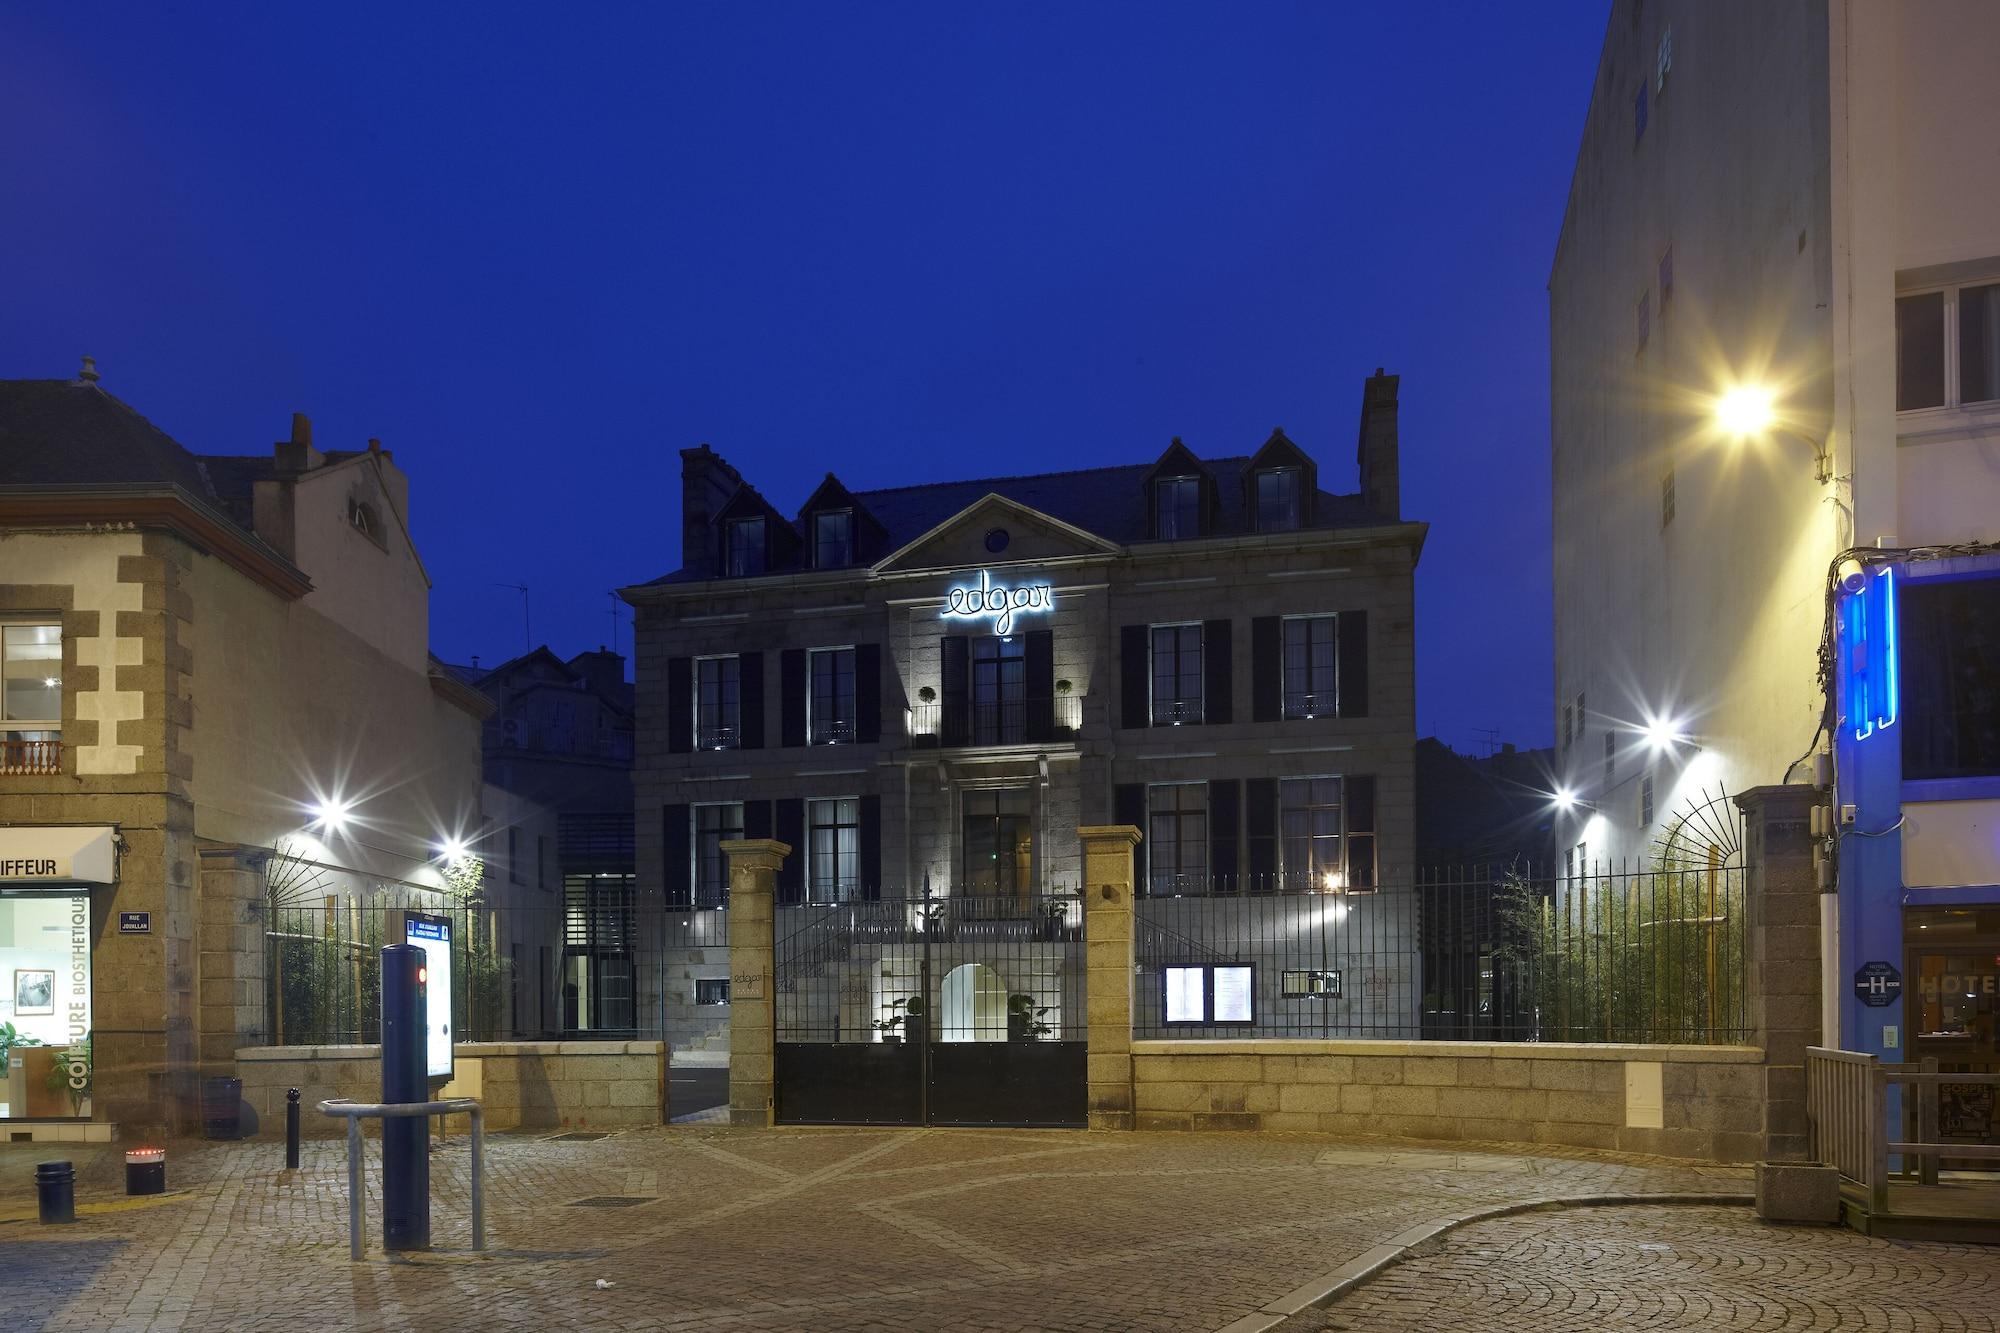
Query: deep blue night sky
{"type": "Point", "coordinates": [538, 255]}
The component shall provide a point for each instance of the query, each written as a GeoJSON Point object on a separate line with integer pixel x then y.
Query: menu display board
{"type": "Point", "coordinates": [432, 934]}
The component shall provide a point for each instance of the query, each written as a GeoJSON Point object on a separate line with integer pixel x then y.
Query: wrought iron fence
{"type": "Point", "coordinates": [944, 969]}
{"type": "Point", "coordinates": [1467, 954]}
{"type": "Point", "coordinates": [1015, 721]}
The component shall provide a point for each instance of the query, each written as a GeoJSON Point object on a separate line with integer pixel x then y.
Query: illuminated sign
{"type": "Point", "coordinates": [1000, 603]}
{"type": "Point", "coordinates": [65, 852]}
{"type": "Point", "coordinates": [1872, 689]}
{"type": "Point", "coordinates": [432, 934]}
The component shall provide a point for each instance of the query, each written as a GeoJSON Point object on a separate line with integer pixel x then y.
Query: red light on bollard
{"type": "Point", "coordinates": [146, 1171]}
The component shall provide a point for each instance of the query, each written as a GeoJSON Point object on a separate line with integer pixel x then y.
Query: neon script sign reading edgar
{"type": "Point", "coordinates": [1000, 603]}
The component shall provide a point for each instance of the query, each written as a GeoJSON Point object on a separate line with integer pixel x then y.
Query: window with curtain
{"type": "Point", "coordinates": [1311, 672]}
{"type": "Point", "coordinates": [830, 696]}
{"type": "Point", "coordinates": [745, 546]}
{"type": "Point", "coordinates": [833, 840]}
{"type": "Point", "coordinates": [1311, 857]}
{"type": "Point", "coordinates": [1177, 508]}
{"type": "Point", "coordinates": [833, 539]}
{"type": "Point", "coordinates": [713, 826]}
{"type": "Point", "coordinates": [718, 703]}
{"type": "Point", "coordinates": [1278, 499]}
{"type": "Point", "coordinates": [1177, 838]}
{"type": "Point", "coordinates": [1176, 674]}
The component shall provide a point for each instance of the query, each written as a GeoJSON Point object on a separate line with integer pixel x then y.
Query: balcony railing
{"type": "Point", "coordinates": [1308, 703]}
{"type": "Point", "coordinates": [18, 756]}
{"type": "Point", "coordinates": [717, 736]}
{"type": "Point", "coordinates": [1003, 722]}
{"type": "Point", "coordinates": [1176, 712]}
{"type": "Point", "coordinates": [831, 731]}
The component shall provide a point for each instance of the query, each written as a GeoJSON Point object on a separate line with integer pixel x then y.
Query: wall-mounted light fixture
{"type": "Point", "coordinates": [1745, 411]}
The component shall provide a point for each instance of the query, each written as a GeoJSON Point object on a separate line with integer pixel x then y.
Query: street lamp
{"type": "Point", "coordinates": [1747, 410]}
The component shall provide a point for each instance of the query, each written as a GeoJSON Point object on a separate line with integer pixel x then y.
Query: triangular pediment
{"type": "Point", "coordinates": [967, 540]}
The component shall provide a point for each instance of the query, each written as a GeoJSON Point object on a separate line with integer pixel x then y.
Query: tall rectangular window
{"type": "Point", "coordinates": [1311, 671]}
{"type": "Point", "coordinates": [1610, 758]}
{"type": "Point", "coordinates": [1177, 838]}
{"type": "Point", "coordinates": [1667, 498]}
{"type": "Point", "coordinates": [1278, 499]}
{"type": "Point", "coordinates": [999, 691]}
{"type": "Point", "coordinates": [1645, 800]}
{"type": "Point", "coordinates": [1919, 351]}
{"type": "Point", "coordinates": [30, 681]}
{"type": "Point", "coordinates": [745, 546]}
{"type": "Point", "coordinates": [833, 840]}
{"type": "Point", "coordinates": [713, 826]}
{"type": "Point", "coordinates": [833, 539]}
{"type": "Point", "coordinates": [1979, 344]}
{"type": "Point", "coordinates": [1950, 678]}
{"type": "Point", "coordinates": [718, 703]}
{"type": "Point", "coordinates": [1177, 508]}
{"type": "Point", "coordinates": [830, 696]}
{"type": "Point", "coordinates": [1312, 858]}
{"type": "Point", "coordinates": [1176, 674]}
{"type": "Point", "coordinates": [997, 839]}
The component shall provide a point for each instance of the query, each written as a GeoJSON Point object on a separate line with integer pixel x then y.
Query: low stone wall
{"type": "Point", "coordinates": [1706, 1102]}
{"type": "Point", "coordinates": [522, 1084]}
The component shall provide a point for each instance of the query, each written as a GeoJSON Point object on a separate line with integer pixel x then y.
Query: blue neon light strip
{"type": "Point", "coordinates": [1874, 675]}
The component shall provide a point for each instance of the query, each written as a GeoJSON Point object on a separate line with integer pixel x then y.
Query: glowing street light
{"type": "Point", "coordinates": [453, 850]}
{"type": "Point", "coordinates": [1747, 410]}
{"type": "Point", "coordinates": [1662, 734]}
{"type": "Point", "coordinates": [1564, 798]}
{"type": "Point", "coordinates": [331, 814]}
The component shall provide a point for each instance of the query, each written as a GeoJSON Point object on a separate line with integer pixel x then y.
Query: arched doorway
{"type": "Point", "coordinates": [973, 1005]}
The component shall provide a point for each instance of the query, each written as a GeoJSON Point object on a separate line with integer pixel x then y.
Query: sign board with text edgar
{"type": "Point", "coordinates": [432, 934]}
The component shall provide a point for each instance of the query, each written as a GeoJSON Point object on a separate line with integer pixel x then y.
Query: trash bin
{"type": "Point", "coordinates": [221, 1100]}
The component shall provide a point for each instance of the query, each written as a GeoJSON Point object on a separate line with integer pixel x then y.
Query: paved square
{"type": "Point", "coordinates": [895, 1229]}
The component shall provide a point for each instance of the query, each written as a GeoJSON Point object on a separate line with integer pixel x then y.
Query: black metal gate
{"type": "Point", "coordinates": [937, 1011]}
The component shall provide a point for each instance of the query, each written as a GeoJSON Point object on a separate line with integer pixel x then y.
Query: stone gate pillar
{"type": "Point", "coordinates": [1782, 956]}
{"type": "Point", "coordinates": [1107, 943]}
{"type": "Point", "coordinates": [753, 888]}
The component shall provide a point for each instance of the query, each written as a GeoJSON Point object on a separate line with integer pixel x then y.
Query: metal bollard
{"type": "Point", "coordinates": [55, 1191]}
{"type": "Point", "coordinates": [292, 1130]}
{"type": "Point", "coordinates": [146, 1171]}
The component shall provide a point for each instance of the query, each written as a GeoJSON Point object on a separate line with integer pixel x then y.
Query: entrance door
{"type": "Point", "coordinates": [1951, 991]}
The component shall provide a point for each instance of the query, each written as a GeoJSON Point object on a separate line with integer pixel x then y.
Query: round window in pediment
{"type": "Point", "coordinates": [997, 539]}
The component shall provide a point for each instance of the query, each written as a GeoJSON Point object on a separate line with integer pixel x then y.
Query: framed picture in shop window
{"type": "Point", "coordinates": [34, 992]}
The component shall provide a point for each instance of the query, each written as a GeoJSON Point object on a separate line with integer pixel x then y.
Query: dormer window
{"type": "Point", "coordinates": [744, 546]}
{"type": "Point", "coordinates": [1278, 499]}
{"type": "Point", "coordinates": [833, 539]}
{"type": "Point", "coordinates": [1176, 508]}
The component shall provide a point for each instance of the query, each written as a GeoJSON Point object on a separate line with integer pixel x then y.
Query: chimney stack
{"type": "Point", "coordinates": [707, 483]}
{"type": "Point", "coordinates": [89, 372]}
{"type": "Point", "coordinates": [1381, 481]}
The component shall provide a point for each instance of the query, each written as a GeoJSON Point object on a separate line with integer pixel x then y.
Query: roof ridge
{"type": "Point", "coordinates": [1029, 476]}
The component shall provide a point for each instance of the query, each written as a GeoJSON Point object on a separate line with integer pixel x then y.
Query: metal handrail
{"type": "Point", "coordinates": [356, 1112]}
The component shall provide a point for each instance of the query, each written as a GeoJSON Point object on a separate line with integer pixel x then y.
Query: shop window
{"type": "Point", "coordinates": [45, 970]}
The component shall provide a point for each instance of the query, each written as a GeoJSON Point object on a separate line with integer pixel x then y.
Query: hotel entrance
{"type": "Point", "coordinates": [1951, 999]}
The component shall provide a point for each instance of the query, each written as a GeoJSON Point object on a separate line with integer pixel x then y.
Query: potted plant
{"type": "Point", "coordinates": [71, 1074]}
{"type": "Point", "coordinates": [891, 1027]}
{"type": "Point", "coordinates": [926, 695]}
{"type": "Point", "coordinates": [1025, 1018]}
{"type": "Point", "coordinates": [1064, 687]}
{"type": "Point", "coordinates": [914, 1013]}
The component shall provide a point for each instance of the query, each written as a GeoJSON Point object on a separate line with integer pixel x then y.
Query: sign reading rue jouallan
{"type": "Point", "coordinates": [62, 854]}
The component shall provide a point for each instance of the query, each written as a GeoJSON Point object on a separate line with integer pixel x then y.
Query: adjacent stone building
{"type": "Point", "coordinates": [928, 689]}
{"type": "Point", "coordinates": [217, 691]}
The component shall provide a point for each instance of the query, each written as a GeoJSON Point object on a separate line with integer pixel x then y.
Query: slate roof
{"type": "Point", "coordinates": [1108, 501]}
{"type": "Point", "coordinates": [72, 433]}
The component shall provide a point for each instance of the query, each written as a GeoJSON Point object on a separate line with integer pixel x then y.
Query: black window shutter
{"type": "Point", "coordinates": [756, 819]}
{"type": "Point", "coordinates": [1041, 684]}
{"type": "Point", "coordinates": [871, 847]}
{"type": "Point", "coordinates": [1351, 631]}
{"type": "Point", "coordinates": [792, 703]}
{"type": "Point", "coordinates": [791, 822]}
{"type": "Point", "coordinates": [1128, 806]}
{"type": "Point", "coordinates": [678, 862]}
{"type": "Point", "coordinates": [1260, 819]}
{"type": "Point", "coordinates": [955, 670]}
{"type": "Point", "coordinates": [868, 693]}
{"type": "Point", "coordinates": [1223, 823]}
{"type": "Point", "coordinates": [680, 705]}
{"type": "Point", "coordinates": [750, 677]}
{"type": "Point", "coordinates": [1133, 691]}
{"type": "Point", "coordinates": [1358, 795]}
{"type": "Point", "coordinates": [1267, 670]}
{"type": "Point", "coordinates": [1217, 703]}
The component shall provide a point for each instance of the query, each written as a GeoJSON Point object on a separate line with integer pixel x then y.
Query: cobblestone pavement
{"type": "Point", "coordinates": [852, 1229]}
{"type": "Point", "coordinates": [1715, 1269]}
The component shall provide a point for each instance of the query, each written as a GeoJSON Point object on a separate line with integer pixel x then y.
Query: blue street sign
{"type": "Point", "coordinates": [135, 923]}
{"type": "Point", "coordinates": [1877, 985]}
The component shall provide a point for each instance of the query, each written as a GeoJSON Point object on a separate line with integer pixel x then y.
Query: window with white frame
{"type": "Point", "coordinates": [713, 826]}
{"type": "Point", "coordinates": [718, 703]}
{"type": "Point", "coordinates": [1177, 671]}
{"type": "Point", "coordinates": [830, 696]}
{"type": "Point", "coordinates": [1177, 838]}
{"type": "Point", "coordinates": [833, 841]}
{"type": "Point", "coordinates": [1177, 507]}
{"type": "Point", "coordinates": [1948, 347]}
{"type": "Point", "coordinates": [1311, 669]}
{"type": "Point", "coordinates": [744, 546]}
{"type": "Point", "coordinates": [30, 681]}
{"type": "Point", "coordinates": [833, 538]}
{"type": "Point", "coordinates": [1311, 854]}
{"type": "Point", "coordinates": [1278, 499]}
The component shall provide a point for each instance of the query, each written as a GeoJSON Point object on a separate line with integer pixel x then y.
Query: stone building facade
{"type": "Point", "coordinates": [929, 689]}
{"type": "Point", "coordinates": [213, 664]}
